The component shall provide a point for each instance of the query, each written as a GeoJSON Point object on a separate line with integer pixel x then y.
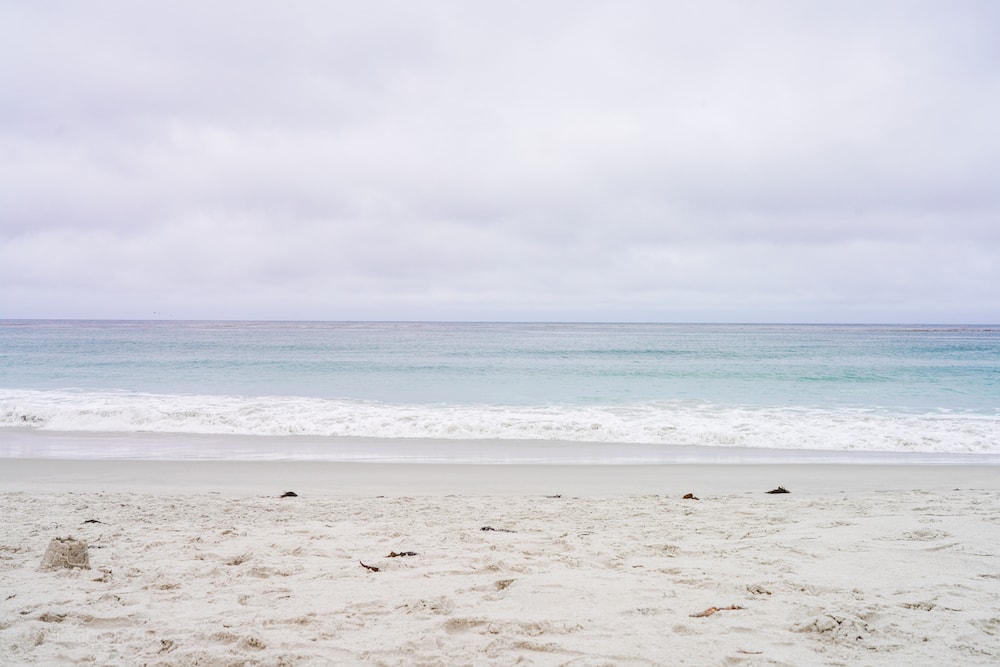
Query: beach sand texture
{"type": "Point", "coordinates": [864, 577]}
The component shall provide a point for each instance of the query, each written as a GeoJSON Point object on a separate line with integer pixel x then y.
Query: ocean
{"type": "Point", "coordinates": [499, 392]}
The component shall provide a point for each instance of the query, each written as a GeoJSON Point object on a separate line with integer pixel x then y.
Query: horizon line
{"type": "Point", "coordinates": [502, 321]}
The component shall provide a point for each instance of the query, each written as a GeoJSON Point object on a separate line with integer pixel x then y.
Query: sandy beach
{"type": "Point", "coordinates": [204, 563]}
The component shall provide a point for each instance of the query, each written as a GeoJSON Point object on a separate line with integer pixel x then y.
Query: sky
{"type": "Point", "coordinates": [702, 161]}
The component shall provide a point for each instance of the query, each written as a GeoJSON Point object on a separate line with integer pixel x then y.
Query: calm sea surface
{"type": "Point", "coordinates": [465, 391]}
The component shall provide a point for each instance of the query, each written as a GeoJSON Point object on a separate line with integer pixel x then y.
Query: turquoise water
{"type": "Point", "coordinates": [792, 387]}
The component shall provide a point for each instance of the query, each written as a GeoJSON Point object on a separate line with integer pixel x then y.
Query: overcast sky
{"type": "Point", "coordinates": [653, 161]}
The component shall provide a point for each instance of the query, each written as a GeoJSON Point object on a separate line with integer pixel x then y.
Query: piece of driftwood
{"type": "Point", "coordinates": [371, 568]}
{"type": "Point", "coordinates": [780, 489]}
{"type": "Point", "coordinates": [93, 521]}
{"type": "Point", "coordinates": [393, 554]}
{"type": "Point", "coordinates": [491, 529]}
{"type": "Point", "coordinates": [712, 610]}
{"type": "Point", "coordinates": [289, 494]}
{"type": "Point", "coordinates": [690, 496]}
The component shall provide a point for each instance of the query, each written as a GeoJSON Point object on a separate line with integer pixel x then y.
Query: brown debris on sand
{"type": "Point", "coordinates": [691, 496]}
{"type": "Point", "coordinates": [712, 610]}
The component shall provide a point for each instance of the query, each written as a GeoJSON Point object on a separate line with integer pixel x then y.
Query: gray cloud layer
{"type": "Point", "coordinates": [751, 160]}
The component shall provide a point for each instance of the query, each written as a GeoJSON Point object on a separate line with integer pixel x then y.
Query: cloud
{"type": "Point", "coordinates": [555, 160]}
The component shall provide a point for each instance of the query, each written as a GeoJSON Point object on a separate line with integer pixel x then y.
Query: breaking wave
{"type": "Point", "coordinates": [685, 423]}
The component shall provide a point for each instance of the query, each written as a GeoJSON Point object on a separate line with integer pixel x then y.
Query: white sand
{"type": "Point", "coordinates": [202, 564]}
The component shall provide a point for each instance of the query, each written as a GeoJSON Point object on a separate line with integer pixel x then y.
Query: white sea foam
{"type": "Point", "coordinates": [663, 422]}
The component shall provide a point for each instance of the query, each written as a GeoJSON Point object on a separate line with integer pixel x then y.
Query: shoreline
{"type": "Point", "coordinates": [432, 479]}
{"type": "Point", "coordinates": [25, 443]}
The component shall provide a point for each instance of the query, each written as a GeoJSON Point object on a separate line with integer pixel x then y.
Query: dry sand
{"type": "Point", "coordinates": [203, 564]}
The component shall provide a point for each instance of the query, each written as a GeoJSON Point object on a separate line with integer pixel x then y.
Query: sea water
{"type": "Point", "coordinates": [496, 391]}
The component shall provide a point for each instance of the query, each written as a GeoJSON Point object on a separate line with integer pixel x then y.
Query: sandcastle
{"type": "Point", "coordinates": [66, 552]}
